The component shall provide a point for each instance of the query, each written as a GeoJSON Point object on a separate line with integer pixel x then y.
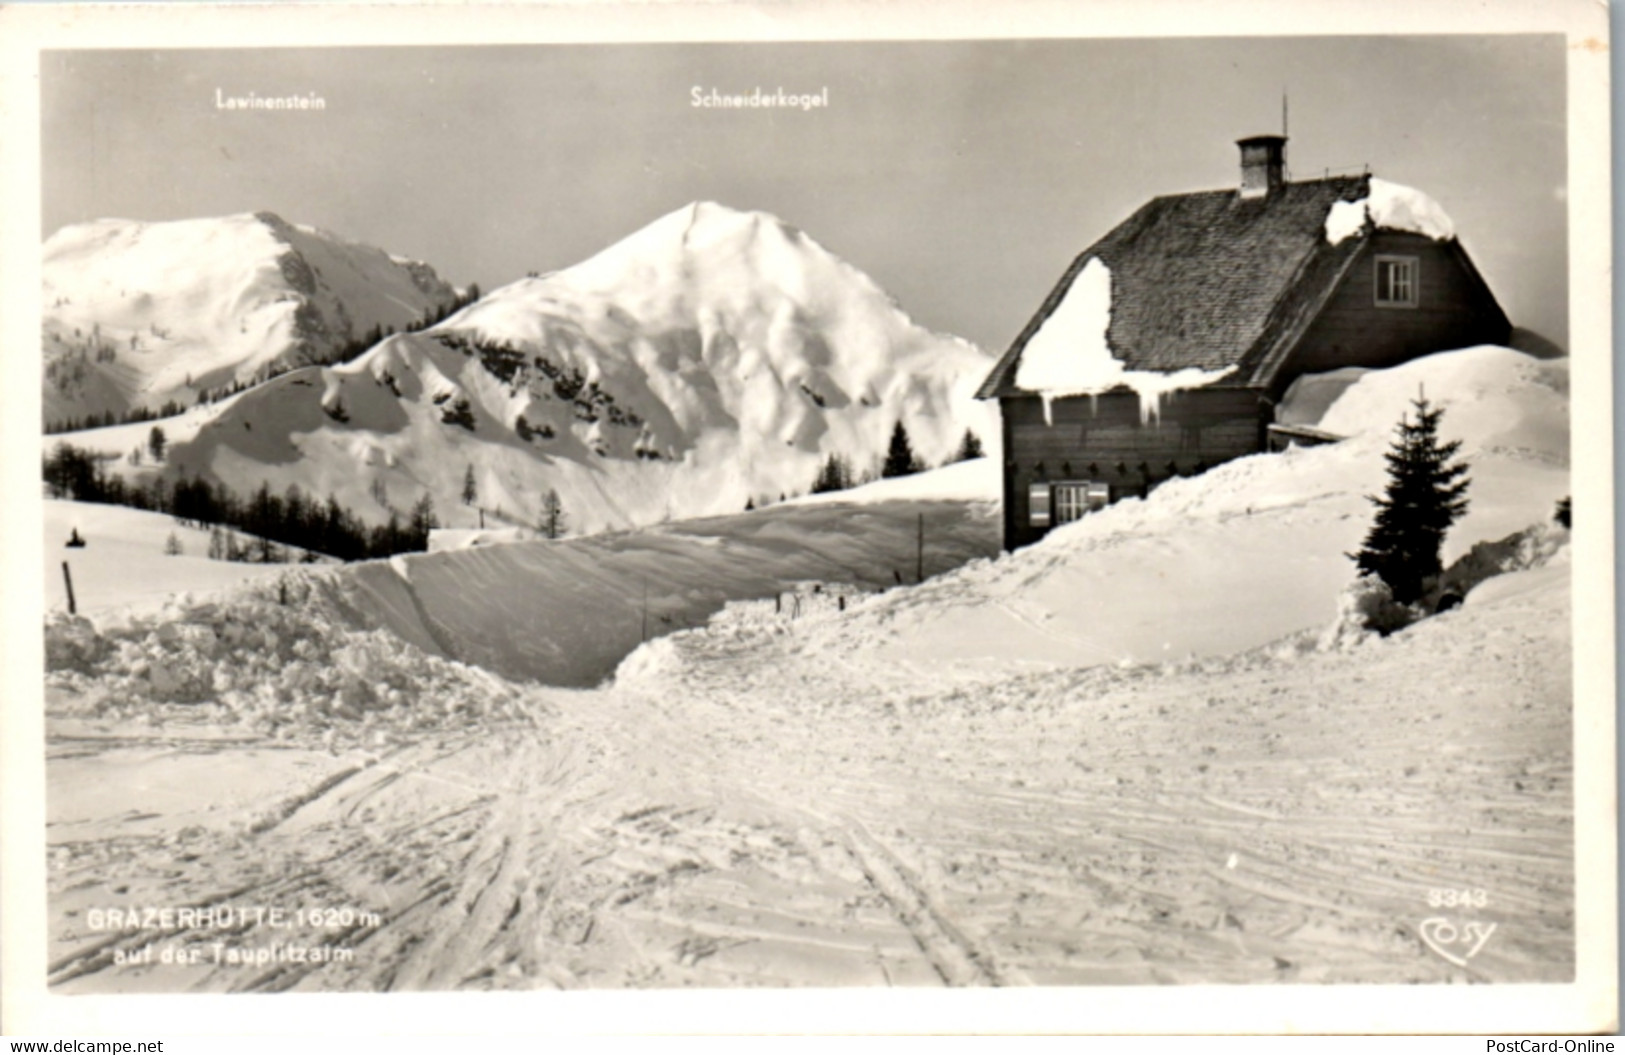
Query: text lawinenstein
{"type": "Point", "coordinates": [256, 101]}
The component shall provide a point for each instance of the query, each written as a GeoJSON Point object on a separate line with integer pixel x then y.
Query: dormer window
{"type": "Point", "coordinates": [1397, 281]}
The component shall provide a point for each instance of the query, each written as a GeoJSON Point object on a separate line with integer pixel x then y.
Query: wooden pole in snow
{"type": "Point", "coordinates": [919, 550]}
{"type": "Point", "coordinates": [73, 609]}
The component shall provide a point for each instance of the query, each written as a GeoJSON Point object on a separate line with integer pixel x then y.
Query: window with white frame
{"type": "Point", "coordinates": [1397, 281]}
{"type": "Point", "coordinates": [1070, 501]}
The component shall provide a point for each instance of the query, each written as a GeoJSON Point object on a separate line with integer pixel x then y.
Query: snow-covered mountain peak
{"type": "Point", "coordinates": [705, 223]}
{"type": "Point", "coordinates": [277, 225]}
{"type": "Point", "coordinates": [712, 358]}
{"type": "Point", "coordinates": [704, 243]}
{"type": "Point", "coordinates": [140, 314]}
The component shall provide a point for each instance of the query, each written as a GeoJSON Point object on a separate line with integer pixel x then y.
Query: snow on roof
{"type": "Point", "coordinates": [1210, 280]}
{"type": "Point", "coordinates": [1070, 355]}
{"type": "Point", "coordinates": [1391, 207]}
{"type": "Point", "coordinates": [1205, 281]}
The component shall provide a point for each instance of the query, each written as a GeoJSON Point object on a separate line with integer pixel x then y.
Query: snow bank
{"type": "Point", "coordinates": [566, 612]}
{"type": "Point", "coordinates": [1495, 400]}
{"type": "Point", "coordinates": [467, 538]}
{"type": "Point", "coordinates": [1389, 207]}
{"type": "Point", "coordinates": [282, 669]}
{"type": "Point", "coordinates": [1310, 396]}
{"type": "Point", "coordinates": [1536, 546]}
{"type": "Point", "coordinates": [1366, 607]}
{"type": "Point", "coordinates": [1070, 355]}
{"type": "Point", "coordinates": [975, 480]}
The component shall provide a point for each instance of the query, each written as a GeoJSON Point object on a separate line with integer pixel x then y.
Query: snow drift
{"type": "Point", "coordinates": [562, 612]}
{"type": "Point", "coordinates": [278, 668]}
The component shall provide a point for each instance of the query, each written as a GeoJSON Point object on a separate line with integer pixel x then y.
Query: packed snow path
{"type": "Point", "coordinates": [742, 808]}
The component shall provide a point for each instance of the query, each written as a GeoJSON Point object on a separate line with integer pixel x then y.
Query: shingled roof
{"type": "Point", "coordinates": [1210, 280]}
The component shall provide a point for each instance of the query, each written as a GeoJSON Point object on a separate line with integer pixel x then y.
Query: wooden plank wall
{"type": "Point", "coordinates": [1453, 311]}
{"type": "Point", "coordinates": [1102, 438]}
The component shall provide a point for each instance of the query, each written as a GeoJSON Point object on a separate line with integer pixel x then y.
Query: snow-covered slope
{"type": "Point", "coordinates": [138, 314]}
{"type": "Point", "coordinates": [1248, 552]}
{"type": "Point", "coordinates": [934, 784]}
{"type": "Point", "coordinates": [1241, 556]}
{"type": "Point", "coordinates": [710, 359]}
{"type": "Point", "coordinates": [125, 565]}
{"type": "Point", "coordinates": [563, 612]}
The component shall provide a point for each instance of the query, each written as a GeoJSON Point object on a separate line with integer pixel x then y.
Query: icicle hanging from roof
{"type": "Point", "coordinates": [1070, 355]}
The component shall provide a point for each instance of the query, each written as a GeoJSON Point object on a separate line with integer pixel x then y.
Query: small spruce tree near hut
{"type": "Point", "coordinates": [1426, 494]}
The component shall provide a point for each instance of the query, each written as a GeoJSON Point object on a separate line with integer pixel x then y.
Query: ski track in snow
{"type": "Point", "coordinates": [929, 787]}
{"type": "Point", "coordinates": [745, 812]}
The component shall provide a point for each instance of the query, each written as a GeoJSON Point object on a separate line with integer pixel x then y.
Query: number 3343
{"type": "Point", "coordinates": [1464, 898]}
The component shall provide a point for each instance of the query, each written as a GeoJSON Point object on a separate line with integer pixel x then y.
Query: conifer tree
{"type": "Point", "coordinates": [969, 447]}
{"type": "Point", "coordinates": [1426, 493]}
{"type": "Point", "coordinates": [471, 493]}
{"type": "Point", "coordinates": [423, 520]}
{"type": "Point", "coordinates": [834, 475]}
{"type": "Point", "coordinates": [900, 460]}
{"type": "Point", "coordinates": [552, 514]}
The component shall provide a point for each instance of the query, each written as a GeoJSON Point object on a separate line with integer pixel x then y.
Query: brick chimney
{"type": "Point", "coordinates": [1263, 165]}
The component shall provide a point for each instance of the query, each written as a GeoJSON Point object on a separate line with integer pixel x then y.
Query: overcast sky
{"type": "Point", "coordinates": [962, 176]}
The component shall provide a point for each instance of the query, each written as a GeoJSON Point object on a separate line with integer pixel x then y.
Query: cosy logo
{"type": "Point", "coordinates": [1458, 944]}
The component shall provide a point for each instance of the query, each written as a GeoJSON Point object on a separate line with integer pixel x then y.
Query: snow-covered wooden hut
{"type": "Point", "coordinates": [1167, 344]}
